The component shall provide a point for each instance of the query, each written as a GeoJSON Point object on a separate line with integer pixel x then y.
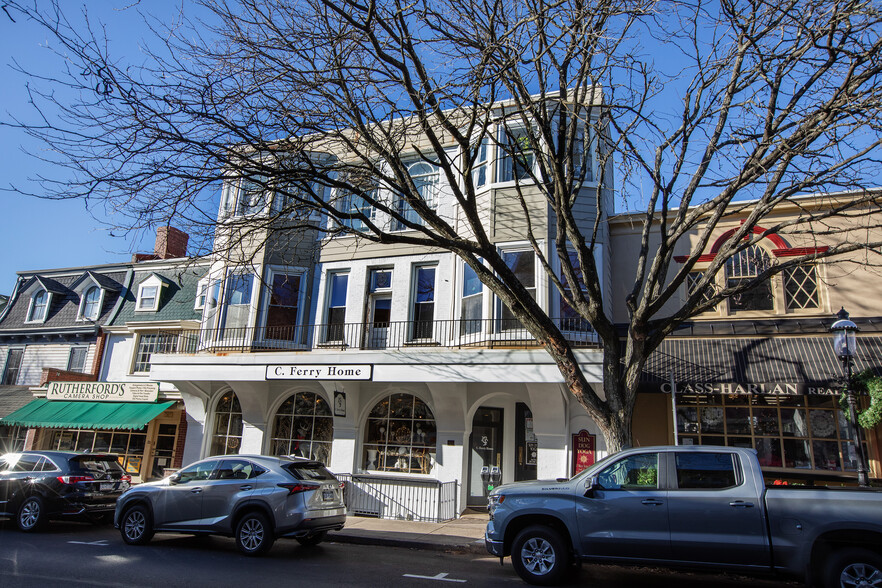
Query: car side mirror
{"type": "Point", "coordinates": [591, 486]}
{"type": "Point", "coordinates": [174, 478]}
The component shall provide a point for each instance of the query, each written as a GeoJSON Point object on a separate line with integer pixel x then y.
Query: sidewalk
{"type": "Point", "coordinates": [465, 534]}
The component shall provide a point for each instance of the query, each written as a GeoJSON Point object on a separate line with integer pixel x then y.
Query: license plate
{"type": "Point", "coordinates": [327, 495]}
{"type": "Point", "coordinates": [103, 487]}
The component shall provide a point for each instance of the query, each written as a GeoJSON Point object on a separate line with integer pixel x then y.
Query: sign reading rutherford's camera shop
{"type": "Point", "coordinates": [103, 391]}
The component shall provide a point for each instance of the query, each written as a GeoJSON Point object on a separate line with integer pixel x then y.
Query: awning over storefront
{"type": "Point", "coordinates": [808, 361]}
{"type": "Point", "coordinates": [57, 414]}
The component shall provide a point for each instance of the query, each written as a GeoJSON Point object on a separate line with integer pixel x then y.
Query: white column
{"type": "Point", "coordinates": [552, 459]}
{"type": "Point", "coordinates": [252, 438]}
{"type": "Point", "coordinates": [195, 406]}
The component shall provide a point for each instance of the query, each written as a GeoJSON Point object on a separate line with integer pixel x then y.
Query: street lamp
{"type": "Point", "coordinates": [844, 343]}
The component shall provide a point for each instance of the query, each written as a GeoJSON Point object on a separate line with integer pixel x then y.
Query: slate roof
{"type": "Point", "coordinates": [65, 303]}
{"type": "Point", "coordinates": [177, 299]}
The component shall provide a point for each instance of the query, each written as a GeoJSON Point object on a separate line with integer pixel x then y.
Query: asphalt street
{"type": "Point", "coordinates": [81, 554]}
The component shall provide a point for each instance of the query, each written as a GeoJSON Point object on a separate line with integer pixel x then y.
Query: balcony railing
{"type": "Point", "coordinates": [472, 333]}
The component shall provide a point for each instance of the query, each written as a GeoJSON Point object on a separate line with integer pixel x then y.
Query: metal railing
{"type": "Point", "coordinates": [411, 499]}
{"type": "Point", "coordinates": [467, 333]}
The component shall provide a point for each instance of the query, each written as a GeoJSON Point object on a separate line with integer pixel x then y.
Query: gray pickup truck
{"type": "Point", "coordinates": [693, 507]}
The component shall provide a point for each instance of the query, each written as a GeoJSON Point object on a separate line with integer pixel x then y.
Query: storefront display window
{"type": "Point", "coordinates": [227, 426]}
{"type": "Point", "coordinates": [303, 426]}
{"type": "Point", "coordinates": [788, 432]}
{"type": "Point", "coordinates": [128, 444]}
{"type": "Point", "coordinates": [400, 436]}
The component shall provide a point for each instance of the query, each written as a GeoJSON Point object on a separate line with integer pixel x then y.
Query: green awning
{"type": "Point", "coordinates": [58, 414]}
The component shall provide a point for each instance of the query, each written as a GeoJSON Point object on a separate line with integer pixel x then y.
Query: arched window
{"type": "Point", "coordinates": [39, 305]}
{"type": "Point", "coordinates": [743, 267]}
{"type": "Point", "coordinates": [91, 303]}
{"type": "Point", "coordinates": [400, 436]}
{"type": "Point", "coordinates": [227, 426]}
{"type": "Point", "coordinates": [303, 426]}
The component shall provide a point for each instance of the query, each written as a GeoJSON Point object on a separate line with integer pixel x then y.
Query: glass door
{"type": "Point", "coordinates": [485, 451]}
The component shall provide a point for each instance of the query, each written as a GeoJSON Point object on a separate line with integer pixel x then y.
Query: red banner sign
{"type": "Point", "coordinates": [583, 451]}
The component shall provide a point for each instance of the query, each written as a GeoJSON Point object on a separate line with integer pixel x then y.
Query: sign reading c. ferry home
{"type": "Point", "coordinates": [104, 391]}
{"type": "Point", "coordinates": [318, 372]}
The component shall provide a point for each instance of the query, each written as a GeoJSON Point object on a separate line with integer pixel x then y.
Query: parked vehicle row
{"type": "Point", "coordinates": [38, 485]}
{"type": "Point", "coordinates": [254, 498]}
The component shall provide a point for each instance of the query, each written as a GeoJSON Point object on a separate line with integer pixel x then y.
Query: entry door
{"type": "Point", "coordinates": [485, 449]}
{"type": "Point", "coordinates": [378, 327]}
{"type": "Point", "coordinates": [526, 446]}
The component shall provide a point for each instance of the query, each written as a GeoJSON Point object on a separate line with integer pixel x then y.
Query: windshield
{"type": "Point", "coordinates": [592, 468]}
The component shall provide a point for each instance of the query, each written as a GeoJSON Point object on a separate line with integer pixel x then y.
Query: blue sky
{"type": "Point", "coordinates": [42, 234]}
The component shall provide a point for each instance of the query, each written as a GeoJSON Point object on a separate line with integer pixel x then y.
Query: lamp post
{"type": "Point", "coordinates": [844, 343]}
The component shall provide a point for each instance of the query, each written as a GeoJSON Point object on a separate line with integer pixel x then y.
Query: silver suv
{"type": "Point", "coordinates": [254, 498]}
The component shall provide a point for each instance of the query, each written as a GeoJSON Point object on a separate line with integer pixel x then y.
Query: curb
{"type": "Point", "coordinates": [475, 547]}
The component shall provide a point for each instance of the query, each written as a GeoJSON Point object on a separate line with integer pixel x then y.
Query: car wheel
{"type": "Point", "coordinates": [540, 556]}
{"type": "Point", "coordinates": [853, 566]}
{"type": "Point", "coordinates": [31, 514]}
{"type": "Point", "coordinates": [312, 539]}
{"type": "Point", "coordinates": [135, 526]}
{"type": "Point", "coordinates": [254, 535]}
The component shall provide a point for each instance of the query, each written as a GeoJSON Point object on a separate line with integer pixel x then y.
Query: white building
{"type": "Point", "coordinates": [392, 363]}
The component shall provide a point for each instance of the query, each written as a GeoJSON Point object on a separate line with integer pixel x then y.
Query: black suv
{"type": "Point", "coordinates": [38, 485]}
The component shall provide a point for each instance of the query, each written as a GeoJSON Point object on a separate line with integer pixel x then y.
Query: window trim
{"type": "Point", "coordinates": [498, 305]}
{"type": "Point", "coordinates": [70, 357]}
{"type": "Point", "coordinates": [81, 313]}
{"type": "Point", "coordinates": [412, 311]}
{"type": "Point", "coordinates": [150, 282]}
{"type": "Point", "coordinates": [271, 272]}
{"type": "Point", "coordinates": [326, 336]}
{"type": "Point", "coordinates": [4, 373]}
{"type": "Point", "coordinates": [32, 305]}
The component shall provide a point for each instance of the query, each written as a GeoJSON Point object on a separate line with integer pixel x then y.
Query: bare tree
{"type": "Point", "coordinates": [685, 110]}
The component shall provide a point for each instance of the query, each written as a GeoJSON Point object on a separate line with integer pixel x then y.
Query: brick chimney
{"type": "Point", "coordinates": [170, 242]}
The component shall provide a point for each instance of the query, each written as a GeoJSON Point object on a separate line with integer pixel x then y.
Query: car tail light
{"type": "Point", "coordinates": [342, 485]}
{"type": "Point", "coordinates": [75, 479]}
{"type": "Point", "coordinates": [295, 488]}
{"type": "Point", "coordinates": [125, 478]}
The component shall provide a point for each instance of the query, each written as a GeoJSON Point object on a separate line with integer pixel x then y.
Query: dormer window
{"type": "Point", "coordinates": [90, 306]}
{"type": "Point", "coordinates": [149, 293]}
{"type": "Point", "coordinates": [39, 307]}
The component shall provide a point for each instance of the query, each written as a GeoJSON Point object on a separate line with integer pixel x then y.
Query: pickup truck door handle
{"type": "Point", "coordinates": [652, 502]}
{"type": "Point", "coordinates": [196, 490]}
{"type": "Point", "coordinates": [741, 504]}
{"type": "Point", "coordinates": [245, 487]}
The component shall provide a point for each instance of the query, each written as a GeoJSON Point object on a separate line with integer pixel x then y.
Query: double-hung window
{"type": "Point", "coordinates": [91, 305]}
{"type": "Point", "coordinates": [238, 302]}
{"type": "Point", "coordinates": [583, 160]}
{"type": "Point", "coordinates": [423, 302]}
{"type": "Point", "coordinates": [472, 308]}
{"type": "Point", "coordinates": [425, 178]}
{"type": "Point", "coordinates": [12, 367]}
{"type": "Point", "coordinates": [516, 154]}
{"type": "Point", "coordinates": [480, 169]}
{"type": "Point", "coordinates": [523, 265]}
{"type": "Point", "coordinates": [252, 196]}
{"type": "Point", "coordinates": [76, 362]}
{"type": "Point", "coordinates": [570, 320]}
{"type": "Point", "coordinates": [336, 315]}
{"type": "Point", "coordinates": [39, 307]}
{"type": "Point", "coordinates": [282, 312]}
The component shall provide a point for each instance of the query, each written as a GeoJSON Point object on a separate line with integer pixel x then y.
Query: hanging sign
{"type": "Point", "coordinates": [584, 454]}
